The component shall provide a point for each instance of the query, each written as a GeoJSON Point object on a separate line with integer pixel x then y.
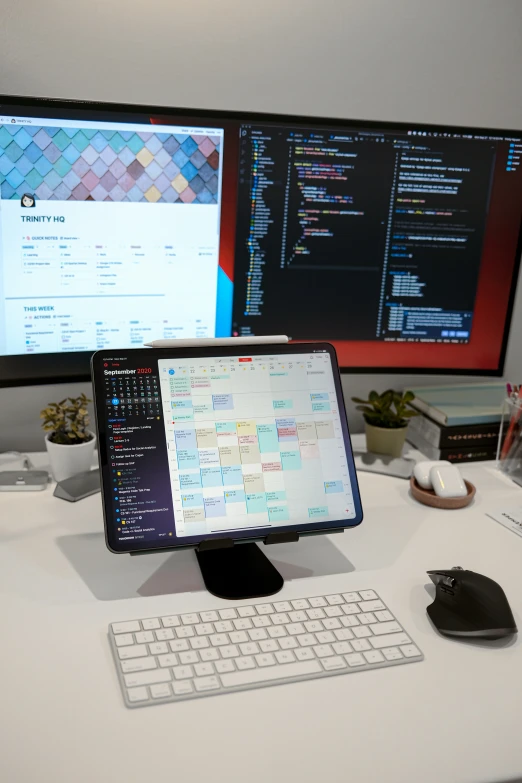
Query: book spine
{"type": "Point", "coordinates": [429, 410]}
{"type": "Point", "coordinates": [451, 437]}
{"type": "Point", "coordinates": [453, 454]}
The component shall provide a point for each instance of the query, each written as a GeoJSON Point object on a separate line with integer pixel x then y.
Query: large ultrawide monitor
{"type": "Point", "coordinates": [119, 224]}
{"type": "Point", "coordinates": [235, 443]}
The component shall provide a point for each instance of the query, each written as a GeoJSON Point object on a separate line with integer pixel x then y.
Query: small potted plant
{"type": "Point", "coordinates": [386, 420]}
{"type": "Point", "coordinates": [69, 443]}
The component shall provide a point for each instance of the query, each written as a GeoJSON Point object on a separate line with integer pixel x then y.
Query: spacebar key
{"type": "Point", "coordinates": [271, 673]}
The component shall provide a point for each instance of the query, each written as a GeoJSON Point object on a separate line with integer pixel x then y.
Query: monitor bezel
{"type": "Point", "coordinates": [49, 368]}
{"type": "Point", "coordinates": [97, 363]}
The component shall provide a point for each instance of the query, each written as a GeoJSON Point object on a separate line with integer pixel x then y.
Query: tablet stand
{"type": "Point", "coordinates": [238, 571]}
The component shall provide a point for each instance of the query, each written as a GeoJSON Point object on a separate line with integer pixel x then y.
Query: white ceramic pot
{"type": "Point", "coordinates": [67, 460]}
{"type": "Point", "coordinates": [382, 440]}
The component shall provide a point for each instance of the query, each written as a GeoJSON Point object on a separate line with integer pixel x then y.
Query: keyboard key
{"type": "Point", "coordinates": [160, 691]}
{"type": "Point", "coordinates": [350, 608]}
{"type": "Point", "coordinates": [331, 623]}
{"type": "Point", "coordinates": [144, 637]}
{"type": "Point", "coordinates": [349, 622]}
{"type": "Point", "coordinates": [410, 651]}
{"type": "Point", "coordinates": [182, 672]}
{"type": "Point", "coordinates": [333, 600]}
{"type": "Point", "coordinates": [209, 617]}
{"type": "Point", "coordinates": [206, 683]}
{"type": "Point", "coordinates": [204, 629]}
{"type": "Point", "coordinates": [295, 628]}
{"type": "Point", "coordinates": [261, 622]}
{"type": "Point", "coordinates": [371, 606]}
{"type": "Point", "coordinates": [276, 631]}
{"type": "Point", "coordinates": [280, 619]}
{"type": "Point", "coordinates": [265, 659]}
{"type": "Point", "coordinates": [283, 606]}
{"type": "Point", "coordinates": [304, 654]}
{"type": "Point", "coordinates": [351, 597]}
{"type": "Point", "coordinates": [171, 659]}
{"type": "Point", "coordinates": [374, 656]}
{"type": "Point", "coordinates": [325, 637]}
{"type": "Point", "coordinates": [182, 688]}
{"type": "Point", "coordinates": [218, 640]}
{"type": "Point", "coordinates": [209, 655]}
{"type": "Point", "coordinates": [188, 657]}
{"type": "Point", "coordinates": [245, 663]}
{"type": "Point", "coordinates": [335, 662]}
{"type": "Point", "coordinates": [158, 648]}
{"type": "Point", "coordinates": [317, 602]}
{"type": "Point", "coordinates": [354, 659]}
{"type": "Point", "coordinates": [366, 618]}
{"type": "Point", "coordinates": [315, 614]}
{"type": "Point", "coordinates": [243, 624]}
{"type": "Point", "coordinates": [168, 622]}
{"type": "Point", "coordinates": [199, 642]}
{"type": "Point", "coordinates": [138, 665]}
{"type": "Point", "coordinates": [343, 634]}
{"type": "Point", "coordinates": [229, 651]}
{"type": "Point", "coordinates": [228, 614]}
{"type": "Point", "coordinates": [237, 637]}
{"type": "Point", "coordinates": [383, 616]}
{"type": "Point", "coordinates": [298, 669]}
{"type": "Point", "coordinates": [129, 627]}
{"type": "Point", "coordinates": [137, 694]}
{"type": "Point", "coordinates": [164, 634]}
{"type": "Point", "coordinates": [297, 617]}
{"type": "Point", "coordinates": [285, 656]}
{"type": "Point", "coordinates": [313, 626]}
{"type": "Point", "coordinates": [379, 629]}
{"type": "Point", "coordinates": [225, 666]}
{"type": "Point", "coordinates": [179, 645]}
{"type": "Point", "coordinates": [392, 653]}
{"type": "Point", "coordinates": [323, 650]}
{"type": "Point", "coordinates": [190, 619]}
{"type": "Point", "coordinates": [147, 678]}
{"type": "Point", "coordinates": [151, 624]}
{"type": "Point", "coordinates": [123, 639]}
{"type": "Point", "coordinates": [390, 640]}
{"type": "Point", "coordinates": [265, 609]}
{"type": "Point", "coordinates": [333, 611]}
{"type": "Point", "coordinates": [132, 651]}
{"type": "Point", "coordinates": [257, 633]}
{"type": "Point", "coordinates": [361, 631]}
{"type": "Point", "coordinates": [246, 611]}
{"type": "Point", "coordinates": [300, 603]}
{"type": "Point", "coordinates": [359, 645]}
{"type": "Point", "coordinates": [342, 648]}
{"type": "Point", "coordinates": [368, 595]}
{"type": "Point", "coordinates": [307, 640]}
{"type": "Point", "coordinates": [270, 645]}
{"type": "Point", "coordinates": [223, 626]}
{"type": "Point", "coordinates": [288, 643]}
{"type": "Point", "coordinates": [182, 633]}
{"type": "Point", "coordinates": [250, 648]}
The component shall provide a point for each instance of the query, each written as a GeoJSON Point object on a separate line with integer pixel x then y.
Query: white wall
{"type": "Point", "coordinates": [449, 61]}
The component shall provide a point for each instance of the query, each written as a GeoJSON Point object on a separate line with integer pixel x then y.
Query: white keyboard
{"type": "Point", "coordinates": [165, 659]}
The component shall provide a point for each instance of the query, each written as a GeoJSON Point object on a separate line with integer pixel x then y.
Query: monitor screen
{"type": "Point", "coordinates": [120, 224]}
{"type": "Point", "coordinates": [206, 443]}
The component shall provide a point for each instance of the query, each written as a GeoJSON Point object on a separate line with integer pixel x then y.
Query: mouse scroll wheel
{"type": "Point", "coordinates": [449, 581]}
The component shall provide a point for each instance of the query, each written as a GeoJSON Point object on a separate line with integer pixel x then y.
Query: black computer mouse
{"type": "Point", "coordinates": [470, 605]}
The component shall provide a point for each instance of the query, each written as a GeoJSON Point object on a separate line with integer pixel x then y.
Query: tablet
{"type": "Point", "coordinates": [197, 444]}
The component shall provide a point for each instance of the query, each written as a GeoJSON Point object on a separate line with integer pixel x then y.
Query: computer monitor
{"type": "Point", "coordinates": [399, 243]}
{"type": "Point", "coordinates": [213, 446]}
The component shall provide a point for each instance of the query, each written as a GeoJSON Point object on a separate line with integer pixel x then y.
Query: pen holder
{"type": "Point", "coordinates": [509, 449]}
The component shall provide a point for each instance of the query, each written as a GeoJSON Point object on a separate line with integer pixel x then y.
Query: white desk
{"type": "Point", "coordinates": [454, 717]}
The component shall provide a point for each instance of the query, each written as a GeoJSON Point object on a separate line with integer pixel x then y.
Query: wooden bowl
{"type": "Point", "coordinates": [429, 498]}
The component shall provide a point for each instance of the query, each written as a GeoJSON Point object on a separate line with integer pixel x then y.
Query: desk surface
{"type": "Point", "coordinates": [454, 717]}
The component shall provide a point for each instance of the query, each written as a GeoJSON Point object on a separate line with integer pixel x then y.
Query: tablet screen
{"type": "Point", "coordinates": [214, 443]}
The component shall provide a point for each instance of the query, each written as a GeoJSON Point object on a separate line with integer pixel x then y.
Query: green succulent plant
{"type": "Point", "coordinates": [390, 409]}
{"type": "Point", "coordinates": [67, 421]}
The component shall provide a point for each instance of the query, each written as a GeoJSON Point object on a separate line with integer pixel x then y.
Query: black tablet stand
{"type": "Point", "coordinates": [238, 571]}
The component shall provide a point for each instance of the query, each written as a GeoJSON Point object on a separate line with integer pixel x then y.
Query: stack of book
{"type": "Point", "coordinates": [458, 423]}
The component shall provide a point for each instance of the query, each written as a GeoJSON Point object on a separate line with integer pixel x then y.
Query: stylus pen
{"type": "Point", "coordinates": [202, 342]}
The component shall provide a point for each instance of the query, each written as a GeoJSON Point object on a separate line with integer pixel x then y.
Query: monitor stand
{"type": "Point", "coordinates": [239, 572]}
